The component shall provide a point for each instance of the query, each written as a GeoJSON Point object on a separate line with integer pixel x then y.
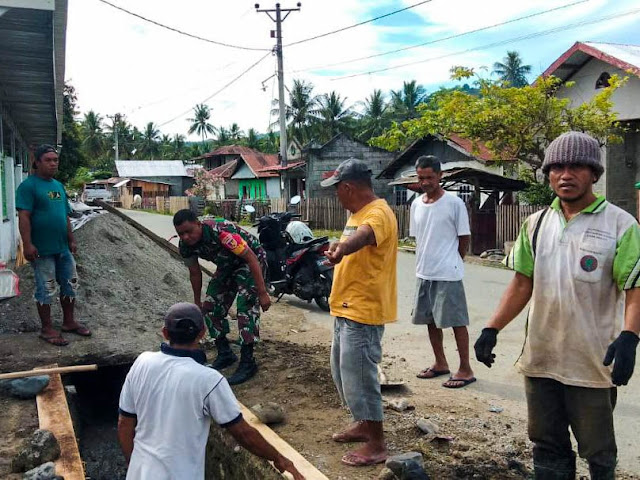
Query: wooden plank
{"type": "Point", "coordinates": [48, 371]}
{"type": "Point", "coordinates": [306, 468]}
{"type": "Point", "coordinates": [53, 415]}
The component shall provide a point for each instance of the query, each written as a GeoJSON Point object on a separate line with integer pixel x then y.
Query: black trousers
{"type": "Point", "coordinates": [553, 408]}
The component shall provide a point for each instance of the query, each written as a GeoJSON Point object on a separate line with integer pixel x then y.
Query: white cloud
{"type": "Point", "coordinates": [119, 63]}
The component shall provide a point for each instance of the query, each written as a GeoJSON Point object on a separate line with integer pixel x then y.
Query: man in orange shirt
{"type": "Point", "coordinates": [363, 299]}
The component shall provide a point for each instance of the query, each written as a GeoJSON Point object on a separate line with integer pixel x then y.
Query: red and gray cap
{"type": "Point", "coordinates": [573, 148]}
{"type": "Point", "coordinates": [350, 169]}
{"type": "Point", "coordinates": [184, 318]}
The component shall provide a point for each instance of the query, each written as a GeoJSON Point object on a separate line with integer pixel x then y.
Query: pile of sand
{"type": "Point", "coordinates": [127, 282]}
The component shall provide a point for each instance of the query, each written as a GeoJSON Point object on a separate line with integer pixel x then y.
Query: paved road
{"type": "Point", "coordinates": [501, 385]}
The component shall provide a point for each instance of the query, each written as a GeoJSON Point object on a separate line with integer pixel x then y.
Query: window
{"type": "Point", "coordinates": [603, 80]}
{"type": "Point", "coordinates": [400, 195]}
{"type": "Point", "coordinates": [465, 192]}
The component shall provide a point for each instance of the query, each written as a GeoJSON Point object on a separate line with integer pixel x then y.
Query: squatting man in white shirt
{"type": "Point", "coordinates": [167, 403]}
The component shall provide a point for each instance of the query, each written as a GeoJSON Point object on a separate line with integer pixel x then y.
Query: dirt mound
{"type": "Point", "coordinates": [126, 284]}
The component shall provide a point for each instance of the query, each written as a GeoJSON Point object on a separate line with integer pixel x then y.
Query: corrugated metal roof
{"type": "Point", "coordinates": [627, 53]}
{"type": "Point", "coordinates": [151, 168]}
{"type": "Point", "coordinates": [255, 160]}
{"type": "Point", "coordinates": [624, 57]}
{"type": "Point", "coordinates": [32, 69]}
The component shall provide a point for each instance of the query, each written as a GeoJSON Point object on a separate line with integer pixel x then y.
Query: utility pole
{"type": "Point", "coordinates": [116, 121]}
{"type": "Point", "coordinates": [282, 107]}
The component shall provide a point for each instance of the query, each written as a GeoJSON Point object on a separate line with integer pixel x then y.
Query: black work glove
{"type": "Point", "coordinates": [623, 351]}
{"type": "Point", "coordinates": [484, 346]}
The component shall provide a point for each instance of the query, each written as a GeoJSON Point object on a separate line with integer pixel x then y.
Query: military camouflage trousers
{"type": "Point", "coordinates": [221, 292]}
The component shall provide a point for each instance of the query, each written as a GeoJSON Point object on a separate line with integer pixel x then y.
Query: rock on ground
{"type": "Point", "coordinates": [42, 447]}
{"type": "Point", "coordinates": [46, 471]}
{"type": "Point", "coordinates": [25, 388]}
{"type": "Point", "coordinates": [269, 413]}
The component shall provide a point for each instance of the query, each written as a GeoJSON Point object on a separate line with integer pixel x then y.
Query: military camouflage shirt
{"type": "Point", "coordinates": [222, 243]}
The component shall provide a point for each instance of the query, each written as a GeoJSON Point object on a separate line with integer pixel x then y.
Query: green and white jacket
{"type": "Point", "coordinates": [580, 270]}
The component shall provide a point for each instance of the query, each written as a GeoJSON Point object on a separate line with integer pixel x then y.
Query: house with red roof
{"type": "Point", "coordinates": [247, 173]}
{"type": "Point", "coordinates": [589, 66]}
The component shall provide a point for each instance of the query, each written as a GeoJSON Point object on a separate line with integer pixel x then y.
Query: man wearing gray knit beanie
{"type": "Point", "coordinates": [578, 261]}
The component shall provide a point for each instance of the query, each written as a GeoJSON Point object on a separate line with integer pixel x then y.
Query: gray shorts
{"type": "Point", "coordinates": [356, 351]}
{"type": "Point", "coordinates": [441, 303]}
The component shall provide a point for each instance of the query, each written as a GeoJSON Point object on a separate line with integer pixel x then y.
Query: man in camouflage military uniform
{"type": "Point", "coordinates": [240, 262]}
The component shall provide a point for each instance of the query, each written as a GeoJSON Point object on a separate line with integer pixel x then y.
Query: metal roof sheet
{"type": "Point", "coordinates": [32, 61]}
{"type": "Point", "coordinates": [151, 168]}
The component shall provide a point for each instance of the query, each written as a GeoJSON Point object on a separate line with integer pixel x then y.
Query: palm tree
{"type": "Point", "coordinates": [200, 121]}
{"type": "Point", "coordinates": [234, 132]}
{"type": "Point", "coordinates": [252, 140]}
{"type": "Point", "coordinates": [93, 137]}
{"type": "Point", "coordinates": [223, 137]}
{"type": "Point", "coordinates": [512, 70]}
{"type": "Point", "coordinates": [166, 147]}
{"type": "Point", "coordinates": [404, 102]}
{"type": "Point", "coordinates": [177, 146]}
{"type": "Point", "coordinates": [335, 117]}
{"type": "Point", "coordinates": [375, 117]}
{"type": "Point", "coordinates": [301, 111]}
{"type": "Point", "coordinates": [149, 142]}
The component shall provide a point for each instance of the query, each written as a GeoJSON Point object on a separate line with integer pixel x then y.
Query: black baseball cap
{"type": "Point", "coordinates": [350, 169]}
{"type": "Point", "coordinates": [42, 149]}
{"type": "Point", "coordinates": [184, 318]}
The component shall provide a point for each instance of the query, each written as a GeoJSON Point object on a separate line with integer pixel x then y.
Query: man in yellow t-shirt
{"type": "Point", "coordinates": [363, 299]}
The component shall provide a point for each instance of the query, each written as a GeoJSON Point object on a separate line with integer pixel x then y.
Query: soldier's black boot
{"type": "Point", "coordinates": [225, 356]}
{"type": "Point", "coordinates": [247, 367]}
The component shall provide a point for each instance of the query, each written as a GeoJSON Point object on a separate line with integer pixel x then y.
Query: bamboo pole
{"type": "Point", "coordinates": [48, 371]}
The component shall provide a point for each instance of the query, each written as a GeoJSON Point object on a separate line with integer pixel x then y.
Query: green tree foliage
{"type": "Point", "coordinates": [301, 111]}
{"type": "Point", "coordinates": [200, 122]}
{"type": "Point", "coordinates": [511, 70]}
{"type": "Point", "coordinates": [405, 102]}
{"type": "Point", "coordinates": [334, 116]}
{"type": "Point", "coordinates": [514, 123]}
{"type": "Point", "coordinates": [149, 145]}
{"type": "Point", "coordinates": [71, 155]}
{"type": "Point", "coordinates": [376, 116]}
{"type": "Point", "coordinates": [93, 141]}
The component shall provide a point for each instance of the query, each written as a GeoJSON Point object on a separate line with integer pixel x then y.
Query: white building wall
{"type": "Point", "coordinates": [273, 187]}
{"type": "Point", "coordinates": [626, 100]}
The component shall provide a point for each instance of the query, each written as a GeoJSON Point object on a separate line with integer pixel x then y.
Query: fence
{"type": "Point", "coordinates": [509, 219]}
{"type": "Point", "coordinates": [171, 204]}
{"type": "Point", "coordinates": [233, 209]}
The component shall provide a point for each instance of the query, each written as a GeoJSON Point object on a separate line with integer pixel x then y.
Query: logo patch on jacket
{"type": "Point", "coordinates": [589, 263]}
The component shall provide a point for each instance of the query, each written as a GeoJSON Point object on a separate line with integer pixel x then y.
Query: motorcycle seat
{"type": "Point", "coordinates": [315, 241]}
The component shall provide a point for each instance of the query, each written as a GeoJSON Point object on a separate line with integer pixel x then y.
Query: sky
{"type": "Point", "coordinates": [120, 63]}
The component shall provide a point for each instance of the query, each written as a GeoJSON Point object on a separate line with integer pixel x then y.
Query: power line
{"type": "Point", "coordinates": [217, 91]}
{"type": "Point", "coordinates": [462, 34]}
{"type": "Point", "coordinates": [358, 24]}
{"type": "Point", "coordinates": [495, 44]}
{"type": "Point", "coordinates": [190, 35]}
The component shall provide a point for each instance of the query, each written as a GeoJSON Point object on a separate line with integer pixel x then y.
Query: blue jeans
{"type": "Point", "coordinates": [356, 351]}
{"type": "Point", "coordinates": [51, 269]}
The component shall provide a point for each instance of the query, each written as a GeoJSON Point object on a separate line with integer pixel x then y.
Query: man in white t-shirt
{"type": "Point", "coordinates": [440, 225]}
{"type": "Point", "coordinates": [168, 400]}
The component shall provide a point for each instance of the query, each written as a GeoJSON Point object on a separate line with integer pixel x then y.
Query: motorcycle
{"type": "Point", "coordinates": [296, 261]}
